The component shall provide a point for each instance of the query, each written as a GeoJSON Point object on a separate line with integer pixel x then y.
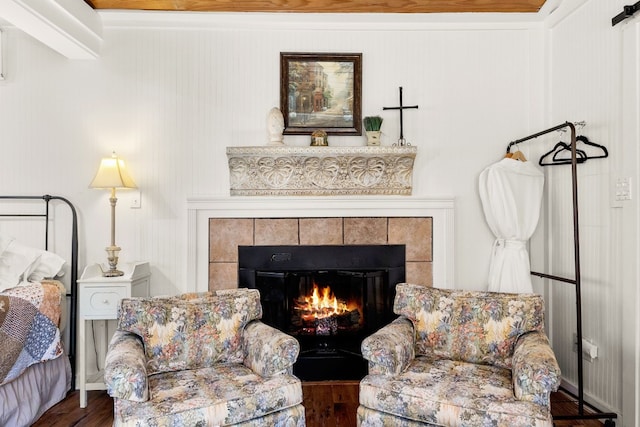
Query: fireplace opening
{"type": "Point", "coordinates": [328, 297]}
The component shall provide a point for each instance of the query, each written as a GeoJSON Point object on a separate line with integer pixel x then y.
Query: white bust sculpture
{"type": "Point", "coordinates": [275, 124]}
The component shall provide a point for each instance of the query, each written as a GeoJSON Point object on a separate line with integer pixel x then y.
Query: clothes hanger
{"type": "Point", "coordinates": [586, 141]}
{"type": "Point", "coordinates": [517, 155]}
{"type": "Point", "coordinates": [581, 156]}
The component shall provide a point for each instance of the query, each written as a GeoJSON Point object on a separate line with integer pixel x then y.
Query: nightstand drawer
{"type": "Point", "coordinates": [102, 303]}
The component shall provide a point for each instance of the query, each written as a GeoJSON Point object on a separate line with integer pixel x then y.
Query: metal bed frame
{"type": "Point", "coordinates": [72, 292]}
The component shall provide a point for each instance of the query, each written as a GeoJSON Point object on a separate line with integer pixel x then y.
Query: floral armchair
{"type": "Point", "coordinates": [459, 358]}
{"type": "Point", "coordinates": [202, 360]}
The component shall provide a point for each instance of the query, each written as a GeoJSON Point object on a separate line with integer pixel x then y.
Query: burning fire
{"type": "Point", "coordinates": [321, 313]}
{"type": "Point", "coordinates": [322, 303]}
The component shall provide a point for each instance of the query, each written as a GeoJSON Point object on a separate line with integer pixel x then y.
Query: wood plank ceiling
{"type": "Point", "coordinates": [325, 6]}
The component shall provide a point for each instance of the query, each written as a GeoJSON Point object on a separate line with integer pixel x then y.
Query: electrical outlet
{"type": "Point", "coordinates": [136, 200]}
{"type": "Point", "coordinates": [623, 189]}
{"type": "Point", "coordinates": [589, 349]}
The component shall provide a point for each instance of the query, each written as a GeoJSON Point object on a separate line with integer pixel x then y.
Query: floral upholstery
{"type": "Point", "coordinates": [127, 376]}
{"type": "Point", "coordinates": [240, 373]}
{"type": "Point", "coordinates": [267, 353]}
{"type": "Point", "coordinates": [475, 327]}
{"type": "Point", "coordinates": [193, 332]}
{"type": "Point", "coordinates": [459, 358]}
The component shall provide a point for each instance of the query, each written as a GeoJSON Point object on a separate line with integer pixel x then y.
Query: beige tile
{"type": "Point", "coordinates": [419, 273]}
{"type": "Point", "coordinates": [223, 275]}
{"type": "Point", "coordinates": [365, 231]}
{"type": "Point", "coordinates": [225, 234]}
{"type": "Point", "coordinates": [416, 233]}
{"type": "Point", "coordinates": [276, 231]}
{"type": "Point", "coordinates": [321, 231]}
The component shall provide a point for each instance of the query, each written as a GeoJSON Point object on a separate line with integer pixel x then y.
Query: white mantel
{"type": "Point", "coordinates": [200, 209]}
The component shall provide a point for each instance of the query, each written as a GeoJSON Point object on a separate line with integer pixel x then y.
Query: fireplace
{"type": "Point", "coordinates": [329, 297]}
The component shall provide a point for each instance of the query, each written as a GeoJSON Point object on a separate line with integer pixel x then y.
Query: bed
{"type": "Point", "coordinates": [37, 305]}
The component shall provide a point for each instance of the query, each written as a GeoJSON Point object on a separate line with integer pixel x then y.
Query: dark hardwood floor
{"type": "Point", "coordinates": [99, 411]}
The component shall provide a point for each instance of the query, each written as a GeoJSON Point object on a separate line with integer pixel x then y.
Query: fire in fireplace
{"type": "Point", "coordinates": [322, 313]}
{"type": "Point", "coordinates": [328, 297]}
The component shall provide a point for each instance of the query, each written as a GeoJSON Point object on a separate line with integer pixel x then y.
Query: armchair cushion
{"type": "Point", "coordinates": [450, 393]}
{"type": "Point", "coordinates": [469, 326]}
{"type": "Point", "coordinates": [222, 395]}
{"type": "Point", "coordinates": [193, 332]}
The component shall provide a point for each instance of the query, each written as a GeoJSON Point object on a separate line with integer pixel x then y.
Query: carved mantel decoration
{"type": "Point", "coordinates": [320, 171]}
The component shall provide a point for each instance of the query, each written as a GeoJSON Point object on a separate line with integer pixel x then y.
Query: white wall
{"type": "Point", "coordinates": [627, 224]}
{"type": "Point", "coordinates": [169, 97]}
{"type": "Point", "coordinates": [169, 93]}
{"type": "Point", "coordinates": [585, 81]}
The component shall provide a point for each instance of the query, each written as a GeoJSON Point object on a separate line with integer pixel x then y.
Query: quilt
{"type": "Point", "coordinates": [29, 333]}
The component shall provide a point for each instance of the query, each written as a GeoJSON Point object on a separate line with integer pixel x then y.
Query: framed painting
{"type": "Point", "coordinates": [321, 91]}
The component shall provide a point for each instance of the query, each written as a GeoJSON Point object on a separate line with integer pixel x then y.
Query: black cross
{"type": "Point", "coordinates": [401, 141]}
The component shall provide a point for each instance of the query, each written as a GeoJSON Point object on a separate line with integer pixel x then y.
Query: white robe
{"type": "Point", "coordinates": [511, 194]}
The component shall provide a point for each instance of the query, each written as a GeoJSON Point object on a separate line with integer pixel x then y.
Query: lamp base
{"type": "Point", "coordinates": [112, 257]}
{"type": "Point", "coordinates": [112, 273]}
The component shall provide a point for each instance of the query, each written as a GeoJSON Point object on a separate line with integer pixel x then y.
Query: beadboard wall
{"type": "Point", "coordinates": [169, 94]}
{"type": "Point", "coordinates": [585, 84]}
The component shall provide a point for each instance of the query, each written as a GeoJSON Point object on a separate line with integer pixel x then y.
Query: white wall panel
{"type": "Point", "coordinates": [584, 82]}
{"type": "Point", "coordinates": [627, 223]}
{"type": "Point", "coordinates": [169, 100]}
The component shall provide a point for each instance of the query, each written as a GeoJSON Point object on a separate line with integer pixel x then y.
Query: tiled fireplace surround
{"type": "Point", "coordinates": [218, 225]}
{"type": "Point", "coordinates": [226, 234]}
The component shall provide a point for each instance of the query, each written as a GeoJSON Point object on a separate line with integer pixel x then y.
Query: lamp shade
{"type": "Point", "coordinates": [112, 173]}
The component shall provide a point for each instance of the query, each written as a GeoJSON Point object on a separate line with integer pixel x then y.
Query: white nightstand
{"type": "Point", "coordinates": [98, 299]}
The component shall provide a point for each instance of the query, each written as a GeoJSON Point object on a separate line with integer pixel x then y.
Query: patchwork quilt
{"type": "Point", "coordinates": [29, 333]}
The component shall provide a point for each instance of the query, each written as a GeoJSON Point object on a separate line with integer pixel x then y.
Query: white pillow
{"type": "Point", "coordinates": [20, 263]}
{"type": "Point", "coordinates": [49, 265]}
{"type": "Point", "coordinates": [16, 263]}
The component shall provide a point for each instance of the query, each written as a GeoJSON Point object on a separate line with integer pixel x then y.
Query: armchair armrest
{"type": "Point", "coordinates": [125, 372]}
{"type": "Point", "coordinates": [535, 369]}
{"type": "Point", "coordinates": [390, 349]}
{"type": "Point", "coordinates": [268, 351]}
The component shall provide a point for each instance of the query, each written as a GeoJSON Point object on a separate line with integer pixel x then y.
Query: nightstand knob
{"type": "Point", "coordinates": [105, 301]}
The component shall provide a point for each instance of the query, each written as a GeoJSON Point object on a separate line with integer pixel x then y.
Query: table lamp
{"type": "Point", "coordinates": [112, 174]}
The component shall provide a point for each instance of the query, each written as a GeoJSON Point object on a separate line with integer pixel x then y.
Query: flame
{"type": "Point", "coordinates": [322, 303]}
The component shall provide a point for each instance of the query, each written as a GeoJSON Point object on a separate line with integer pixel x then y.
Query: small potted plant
{"type": "Point", "coordinates": [372, 126]}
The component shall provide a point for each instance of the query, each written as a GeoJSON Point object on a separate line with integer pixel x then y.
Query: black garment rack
{"type": "Point", "coordinates": [595, 413]}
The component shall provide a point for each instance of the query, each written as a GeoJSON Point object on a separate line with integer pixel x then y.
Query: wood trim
{"type": "Point", "coordinates": [324, 6]}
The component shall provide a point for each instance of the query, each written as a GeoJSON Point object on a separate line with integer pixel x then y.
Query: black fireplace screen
{"type": "Point", "coordinates": [328, 297]}
{"type": "Point", "coordinates": [323, 303]}
{"type": "Point", "coordinates": [328, 303]}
